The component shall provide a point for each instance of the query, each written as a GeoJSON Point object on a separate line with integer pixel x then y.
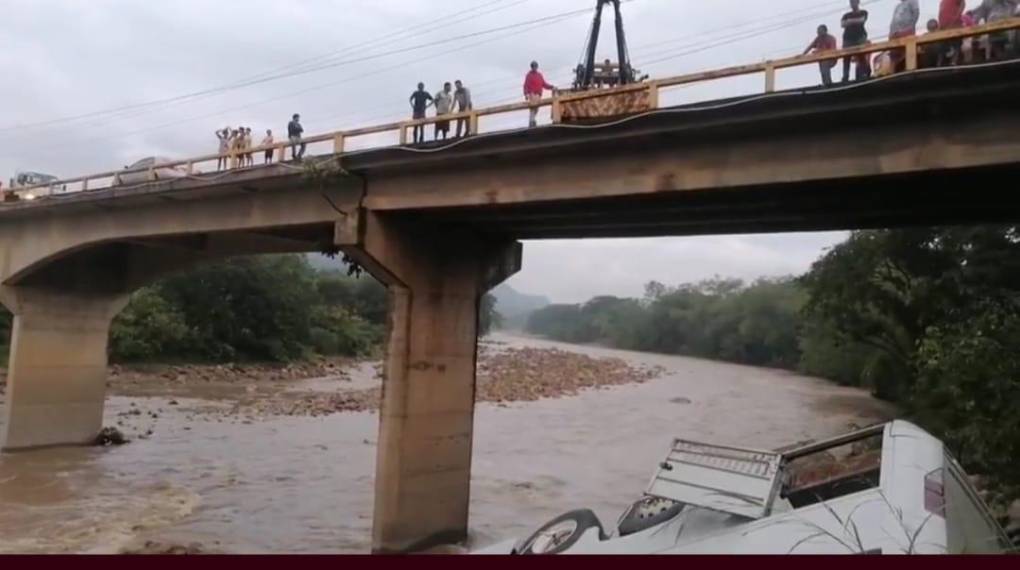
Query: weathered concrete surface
{"type": "Point", "coordinates": [436, 279]}
{"type": "Point", "coordinates": [56, 380]}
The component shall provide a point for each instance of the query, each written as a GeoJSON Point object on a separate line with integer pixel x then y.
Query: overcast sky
{"type": "Point", "coordinates": [93, 85]}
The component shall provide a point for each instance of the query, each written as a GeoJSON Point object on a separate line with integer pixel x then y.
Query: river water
{"type": "Point", "coordinates": [305, 485]}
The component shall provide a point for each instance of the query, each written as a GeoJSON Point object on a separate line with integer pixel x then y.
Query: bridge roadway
{"type": "Point", "coordinates": [440, 226]}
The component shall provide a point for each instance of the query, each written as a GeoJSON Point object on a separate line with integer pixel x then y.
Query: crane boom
{"type": "Point", "coordinates": [590, 74]}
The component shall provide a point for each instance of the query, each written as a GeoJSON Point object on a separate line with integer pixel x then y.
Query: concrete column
{"type": "Point", "coordinates": [56, 379]}
{"type": "Point", "coordinates": [436, 280]}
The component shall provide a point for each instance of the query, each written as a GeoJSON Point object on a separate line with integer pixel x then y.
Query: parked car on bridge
{"type": "Point", "coordinates": [29, 179]}
{"type": "Point", "coordinates": [160, 172]}
{"type": "Point", "coordinates": [890, 489]}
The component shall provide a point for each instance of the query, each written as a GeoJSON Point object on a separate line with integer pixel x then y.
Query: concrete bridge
{"type": "Point", "coordinates": [440, 227]}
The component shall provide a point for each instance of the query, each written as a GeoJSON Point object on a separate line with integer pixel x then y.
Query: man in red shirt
{"type": "Point", "coordinates": [534, 86]}
{"type": "Point", "coordinates": [950, 18]}
{"type": "Point", "coordinates": [823, 42]}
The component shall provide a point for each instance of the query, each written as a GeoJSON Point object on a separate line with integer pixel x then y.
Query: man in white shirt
{"type": "Point", "coordinates": [444, 106]}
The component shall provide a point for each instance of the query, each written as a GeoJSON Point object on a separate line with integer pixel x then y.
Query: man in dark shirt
{"type": "Point", "coordinates": [420, 101]}
{"type": "Point", "coordinates": [294, 132]}
{"type": "Point", "coordinates": [855, 34]}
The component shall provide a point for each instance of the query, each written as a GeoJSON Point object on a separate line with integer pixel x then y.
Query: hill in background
{"type": "Point", "coordinates": [516, 307]}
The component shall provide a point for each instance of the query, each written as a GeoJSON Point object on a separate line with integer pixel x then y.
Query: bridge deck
{"type": "Point", "coordinates": [910, 47]}
{"type": "Point", "coordinates": [939, 96]}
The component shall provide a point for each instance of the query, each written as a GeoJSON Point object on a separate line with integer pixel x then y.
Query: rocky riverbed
{"type": "Point", "coordinates": [248, 393]}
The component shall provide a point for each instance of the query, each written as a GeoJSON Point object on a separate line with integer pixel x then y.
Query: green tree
{"type": "Point", "coordinates": [968, 387]}
{"type": "Point", "coordinates": [149, 327]}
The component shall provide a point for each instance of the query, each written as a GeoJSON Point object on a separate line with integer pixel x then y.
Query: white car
{"type": "Point", "coordinates": [890, 489]}
{"type": "Point", "coordinates": [45, 184]}
{"type": "Point", "coordinates": [160, 172]}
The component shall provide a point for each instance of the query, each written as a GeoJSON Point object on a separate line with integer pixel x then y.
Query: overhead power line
{"type": "Point", "coordinates": [280, 72]}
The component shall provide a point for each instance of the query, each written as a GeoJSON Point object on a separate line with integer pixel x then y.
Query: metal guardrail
{"type": "Point", "coordinates": [339, 138]}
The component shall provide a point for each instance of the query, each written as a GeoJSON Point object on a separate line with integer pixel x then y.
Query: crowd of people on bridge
{"type": "Point", "coordinates": [236, 144]}
{"type": "Point", "coordinates": [456, 99]}
{"type": "Point", "coordinates": [452, 98]}
{"type": "Point", "coordinates": [952, 14]}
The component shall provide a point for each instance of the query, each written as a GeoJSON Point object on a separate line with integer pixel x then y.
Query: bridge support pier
{"type": "Point", "coordinates": [436, 280]}
{"type": "Point", "coordinates": [56, 378]}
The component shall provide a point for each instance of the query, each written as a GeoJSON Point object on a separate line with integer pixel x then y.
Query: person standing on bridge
{"type": "Point", "coordinates": [420, 101]}
{"type": "Point", "coordinates": [266, 143]}
{"type": "Point", "coordinates": [989, 12]}
{"type": "Point", "coordinates": [462, 96]}
{"type": "Point", "coordinates": [855, 34]}
{"type": "Point", "coordinates": [931, 55]}
{"type": "Point", "coordinates": [236, 146]}
{"type": "Point", "coordinates": [224, 138]}
{"type": "Point", "coordinates": [249, 141]}
{"type": "Point", "coordinates": [951, 18]}
{"type": "Point", "coordinates": [824, 42]}
{"type": "Point", "coordinates": [444, 106]}
{"type": "Point", "coordinates": [904, 20]}
{"type": "Point", "coordinates": [904, 24]}
{"type": "Point", "coordinates": [294, 133]}
{"type": "Point", "coordinates": [534, 86]}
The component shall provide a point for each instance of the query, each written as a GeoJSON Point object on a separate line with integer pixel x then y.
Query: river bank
{"type": "Point", "coordinates": [207, 474]}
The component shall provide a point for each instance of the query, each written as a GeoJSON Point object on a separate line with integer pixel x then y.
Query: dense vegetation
{"type": "Point", "coordinates": [273, 308]}
{"type": "Point", "coordinates": [266, 308]}
{"type": "Point", "coordinates": [926, 318]}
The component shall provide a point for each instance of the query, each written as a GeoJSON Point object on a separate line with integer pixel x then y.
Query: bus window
{"type": "Point", "coordinates": [970, 526]}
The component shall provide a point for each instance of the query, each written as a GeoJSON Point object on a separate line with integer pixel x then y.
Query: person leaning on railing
{"type": "Point", "coordinates": [534, 86]}
{"type": "Point", "coordinates": [823, 42]}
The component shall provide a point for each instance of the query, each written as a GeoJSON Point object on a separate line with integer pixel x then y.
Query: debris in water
{"type": "Point", "coordinates": [110, 436]}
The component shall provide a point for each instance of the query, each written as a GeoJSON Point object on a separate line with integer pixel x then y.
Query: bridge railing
{"type": "Point", "coordinates": [340, 140]}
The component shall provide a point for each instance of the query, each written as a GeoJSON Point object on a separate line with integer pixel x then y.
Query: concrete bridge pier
{"type": "Point", "coordinates": [436, 279]}
{"type": "Point", "coordinates": [56, 379]}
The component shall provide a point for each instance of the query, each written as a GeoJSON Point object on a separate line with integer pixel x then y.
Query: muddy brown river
{"type": "Point", "coordinates": [305, 485]}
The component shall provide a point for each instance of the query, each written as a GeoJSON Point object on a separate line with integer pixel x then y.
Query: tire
{"type": "Point", "coordinates": [566, 537]}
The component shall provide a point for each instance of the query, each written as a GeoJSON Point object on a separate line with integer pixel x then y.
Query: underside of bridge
{"type": "Point", "coordinates": [440, 227]}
